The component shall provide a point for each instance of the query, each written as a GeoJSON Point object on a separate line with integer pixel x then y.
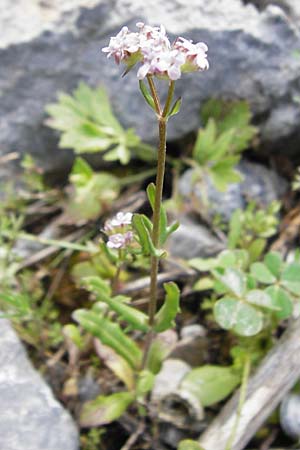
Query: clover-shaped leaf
{"type": "Point", "coordinates": [238, 316]}
{"type": "Point", "coordinates": [290, 278]}
{"type": "Point", "coordinates": [262, 273]}
{"type": "Point", "coordinates": [281, 300]}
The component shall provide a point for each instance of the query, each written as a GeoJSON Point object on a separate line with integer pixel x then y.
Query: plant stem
{"type": "Point", "coordinates": [161, 161]}
{"type": "Point", "coordinates": [242, 398]}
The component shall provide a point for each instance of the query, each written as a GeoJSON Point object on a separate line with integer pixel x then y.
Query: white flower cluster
{"type": "Point", "coordinates": [119, 231]}
{"type": "Point", "coordinates": [151, 47]}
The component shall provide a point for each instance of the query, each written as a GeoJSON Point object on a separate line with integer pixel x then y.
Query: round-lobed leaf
{"type": "Point", "coordinates": [282, 300]}
{"type": "Point", "coordinates": [225, 311]}
{"type": "Point", "coordinates": [290, 278]}
{"type": "Point", "coordinates": [249, 321]}
{"type": "Point", "coordinates": [238, 316]}
{"type": "Point", "coordinates": [210, 384]}
{"type": "Point", "coordinates": [234, 280]}
{"type": "Point", "coordinates": [261, 298]}
{"type": "Point", "coordinates": [273, 261]}
{"type": "Point", "coordinates": [262, 273]}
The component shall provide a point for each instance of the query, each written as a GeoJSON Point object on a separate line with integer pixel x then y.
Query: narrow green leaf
{"type": "Point", "coordinates": [210, 384]}
{"type": "Point", "coordinates": [146, 94]}
{"type": "Point", "coordinates": [72, 332]}
{"type": "Point", "coordinates": [145, 383]}
{"type": "Point", "coordinates": [97, 285]}
{"type": "Point", "coordinates": [164, 318]}
{"type": "Point", "coordinates": [235, 229]}
{"type": "Point", "coordinates": [175, 108]}
{"type": "Point", "coordinates": [158, 352]}
{"type": "Point", "coordinates": [137, 319]}
{"type": "Point", "coordinates": [142, 232]}
{"type": "Point", "coordinates": [105, 409]}
{"type": "Point", "coordinates": [141, 226]}
{"type": "Point", "coordinates": [110, 334]}
{"type": "Point", "coordinates": [118, 365]}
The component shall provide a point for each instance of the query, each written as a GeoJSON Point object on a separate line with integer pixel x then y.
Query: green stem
{"type": "Point", "coordinates": [242, 398]}
{"type": "Point", "coordinates": [154, 94]}
{"type": "Point", "coordinates": [169, 99]}
{"type": "Point", "coordinates": [161, 161]}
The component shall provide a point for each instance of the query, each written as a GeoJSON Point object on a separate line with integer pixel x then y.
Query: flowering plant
{"type": "Point", "coordinates": [132, 234]}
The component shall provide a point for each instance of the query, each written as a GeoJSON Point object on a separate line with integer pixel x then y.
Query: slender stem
{"type": "Point", "coordinates": [169, 98]}
{"type": "Point", "coordinates": [154, 94]}
{"type": "Point", "coordinates": [161, 161]}
{"type": "Point", "coordinates": [242, 398]}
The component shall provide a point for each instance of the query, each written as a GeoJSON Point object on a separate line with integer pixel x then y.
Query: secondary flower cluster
{"type": "Point", "coordinates": [151, 47]}
{"type": "Point", "coordinates": [119, 231]}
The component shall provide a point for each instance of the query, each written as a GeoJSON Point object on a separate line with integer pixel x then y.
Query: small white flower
{"type": "Point", "coordinates": [120, 240]}
{"type": "Point", "coordinates": [152, 48]}
{"type": "Point", "coordinates": [119, 220]}
{"type": "Point", "coordinates": [116, 241]}
{"type": "Point", "coordinates": [194, 53]}
{"type": "Point", "coordinates": [122, 45]}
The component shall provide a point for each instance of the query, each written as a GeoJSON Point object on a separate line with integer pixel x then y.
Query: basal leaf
{"type": "Point", "coordinates": [110, 334]}
{"type": "Point", "coordinates": [210, 384]}
{"type": "Point", "coordinates": [144, 383]}
{"type": "Point", "coordinates": [105, 409]}
{"type": "Point", "coordinates": [118, 365]}
{"type": "Point", "coordinates": [135, 318]}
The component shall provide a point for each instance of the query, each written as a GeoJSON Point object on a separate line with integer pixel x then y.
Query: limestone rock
{"type": "Point", "coordinates": [259, 183]}
{"type": "Point", "coordinates": [252, 54]}
{"type": "Point", "coordinates": [30, 417]}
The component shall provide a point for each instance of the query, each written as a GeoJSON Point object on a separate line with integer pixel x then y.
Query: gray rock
{"type": "Point", "coordinates": [259, 184]}
{"type": "Point", "coordinates": [193, 240]}
{"type": "Point", "coordinates": [290, 415]}
{"type": "Point", "coordinates": [30, 417]}
{"type": "Point", "coordinates": [252, 55]}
